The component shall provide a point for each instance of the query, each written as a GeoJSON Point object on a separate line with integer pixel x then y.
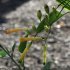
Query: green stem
{"type": "Point", "coordinates": [66, 13]}
{"type": "Point", "coordinates": [60, 11]}
{"type": "Point", "coordinates": [11, 57]}
{"type": "Point", "coordinates": [58, 6]}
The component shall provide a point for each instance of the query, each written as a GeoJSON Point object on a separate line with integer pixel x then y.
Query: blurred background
{"type": "Point", "coordinates": [22, 13]}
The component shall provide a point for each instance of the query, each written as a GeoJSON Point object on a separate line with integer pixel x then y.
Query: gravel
{"type": "Point", "coordinates": [58, 43]}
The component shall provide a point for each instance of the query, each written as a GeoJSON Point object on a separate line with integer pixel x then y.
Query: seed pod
{"type": "Point", "coordinates": [23, 54]}
{"type": "Point", "coordinates": [44, 54]}
{"type": "Point", "coordinates": [46, 8]}
{"type": "Point", "coordinates": [9, 31]}
{"type": "Point", "coordinates": [30, 39]}
{"type": "Point", "coordinates": [39, 14]}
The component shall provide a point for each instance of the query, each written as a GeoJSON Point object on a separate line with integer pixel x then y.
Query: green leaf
{"type": "Point", "coordinates": [22, 46]}
{"type": "Point", "coordinates": [47, 66]}
{"type": "Point", "coordinates": [65, 3]}
{"type": "Point", "coordinates": [54, 16]}
{"type": "Point", "coordinates": [13, 47]}
{"type": "Point", "coordinates": [42, 24]}
{"type": "Point", "coordinates": [2, 53]}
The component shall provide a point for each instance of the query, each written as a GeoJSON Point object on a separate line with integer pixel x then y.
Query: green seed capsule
{"type": "Point", "coordinates": [39, 14]}
{"type": "Point", "coordinates": [46, 8]}
{"type": "Point", "coordinates": [44, 54]}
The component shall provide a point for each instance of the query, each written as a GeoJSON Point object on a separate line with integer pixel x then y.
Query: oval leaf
{"type": "Point", "coordinates": [22, 46]}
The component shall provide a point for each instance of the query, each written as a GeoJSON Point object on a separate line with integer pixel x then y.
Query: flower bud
{"type": "Point", "coordinates": [46, 8]}
{"type": "Point", "coordinates": [39, 14]}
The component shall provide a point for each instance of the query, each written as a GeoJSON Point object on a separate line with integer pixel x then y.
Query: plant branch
{"type": "Point", "coordinates": [11, 57]}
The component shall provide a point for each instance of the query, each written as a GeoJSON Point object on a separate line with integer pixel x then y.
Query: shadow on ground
{"type": "Point", "coordinates": [10, 5]}
{"type": "Point", "coordinates": [7, 6]}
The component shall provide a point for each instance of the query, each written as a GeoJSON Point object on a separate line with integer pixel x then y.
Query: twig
{"type": "Point", "coordinates": [11, 57]}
